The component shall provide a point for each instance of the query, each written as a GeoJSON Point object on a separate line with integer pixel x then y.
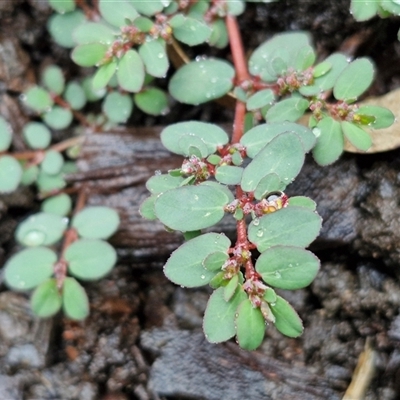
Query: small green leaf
{"type": "Point", "coordinates": [61, 27]}
{"type": "Point", "coordinates": [59, 205]}
{"type": "Point", "coordinates": [392, 6]}
{"type": "Point", "coordinates": [53, 79]}
{"type": "Point", "coordinates": [47, 183]}
{"type": "Point", "coordinates": [144, 24]}
{"type": "Point", "coordinates": [46, 299]}
{"type": "Point", "coordinates": [38, 99]}
{"type": "Point", "coordinates": [149, 8]}
{"type": "Point", "coordinates": [10, 174]}
{"type": "Point", "coordinates": [29, 175]}
{"type": "Point", "coordinates": [269, 295]}
{"type": "Point", "coordinates": [41, 229]}
{"type": "Point", "coordinates": [214, 261]}
{"type": "Point", "coordinates": [118, 107]}
{"type": "Point", "coordinates": [146, 209]}
{"type": "Point", "coordinates": [91, 93]}
{"type": "Point", "coordinates": [287, 110]}
{"type": "Point", "coordinates": [283, 155]}
{"type": "Point", "coordinates": [36, 135]}
{"type": "Point", "coordinates": [94, 32]}
{"type": "Point", "coordinates": [116, 12]}
{"type": "Point", "coordinates": [250, 326]}
{"type": "Point", "coordinates": [58, 117]}
{"type": "Point", "coordinates": [302, 201]}
{"type": "Point", "coordinates": [321, 69]}
{"type": "Point", "coordinates": [190, 208]}
{"type": "Point", "coordinates": [305, 58]}
{"type": "Point", "coordinates": [211, 134]}
{"type": "Point", "coordinates": [160, 183]}
{"type": "Point", "coordinates": [260, 99]}
{"type": "Point", "coordinates": [185, 265]}
{"type": "Point", "coordinates": [364, 10]}
{"type": "Point", "coordinates": [62, 6]}
{"type": "Point", "coordinates": [356, 136]}
{"type": "Point", "coordinates": [287, 267]}
{"type": "Point", "coordinates": [256, 138]}
{"type": "Point", "coordinates": [90, 259]}
{"type": "Point", "coordinates": [354, 80]}
{"type": "Point", "coordinates": [219, 317]}
{"type": "Point", "coordinates": [270, 183]}
{"type": "Point", "coordinates": [96, 222]}
{"type": "Point", "coordinates": [221, 188]}
{"type": "Point", "coordinates": [229, 174]}
{"type": "Point", "coordinates": [383, 117]}
{"type": "Point", "coordinates": [74, 300]}
{"type": "Point", "coordinates": [219, 35]}
{"type": "Point", "coordinates": [190, 31]}
{"type": "Point", "coordinates": [103, 75]}
{"type": "Point", "coordinates": [291, 226]}
{"type": "Point", "coordinates": [52, 162]}
{"type": "Point", "coordinates": [286, 319]}
{"type": "Point", "coordinates": [155, 58]}
{"type": "Point", "coordinates": [202, 81]}
{"type": "Point", "coordinates": [330, 141]}
{"type": "Point", "coordinates": [5, 134]}
{"type": "Point", "coordinates": [152, 101]}
{"type": "Point", "coordinates": [130, 71]}
{"type": "Point", "coordinates": [30, 267]}
{"type": "Point", "coordinates": [231, 287]}
{"type": "Point", "coordinates": [88, 55]}
{"type": "Point", "coordinates": [75, 95]}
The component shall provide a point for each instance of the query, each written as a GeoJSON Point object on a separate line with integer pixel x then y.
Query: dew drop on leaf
{"type": "Point", "coordinates": [260, 233]}
{"type": "Point", "coordinates": [256, 222]}
{"type": "Point", "coordinates": [34, 238]}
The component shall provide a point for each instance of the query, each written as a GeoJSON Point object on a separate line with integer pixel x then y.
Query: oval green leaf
{"type": "Point", "coordinates": [302, 201]}
{"type": "Point", "coordinates": [160, 183]}
{"type": "Point", "coordinates": [155, 58]}
{"type": "Point", "coordinates": [117, 12]}
{"type": "Point", "coordinates": [94, 32]}
{"type": "Point", "coordinates": [291, 226]}
{"type": "Point", "coordinates": [38, 99]}
{"type": "Point", "coordinates": [96, 222]}
{"type": "Point", "coordinates": [383, 117]}
{"type": "Point", "coordinates": [117, 107]}
{"type": "Point", "coordinates": [229, 174]}
{"type": "Point", "coordinates": [190, 31]}
{"type": "Point", "coordinates": [74, 300]}
{"type": "Point", "coordinates": [146, 209]}
{"type": "Point", "coordinates": [130, 71]}
{"type": "Point", "coordinates": [36, 135]}
{"type": "Point", "coordinates": [75, 95]}
{"type": "Point", "coordinates": [30, 267]}
{"type": "Point", "coordinates": [364, 10]}
{"type": "Point", "coordinates": [88, 55]}
{"type": "Point", "coordinates": [260, 99]}
{"type": "Point", "coordinates": [10, 174]}
{"type": "Point", "coordinates": [59, 205]}
{"type": "Point", "coordinates": [270, 183]}
{"type": "Point", "coordinates": [202, 81]}
{"type": "Point", "coordinates": [287, 110]}
{"type": "Point", "coordinates": [62, 6]}
{"type": "Point", "coordinates": [214, 261]}
{"type": "Point", "coordinates": [58, 117]}
{"type": "Point", "coordinates": [287, 320]}
{"type": "Point", "coordinates": [61, 27]}
{"type": "Point", "coordinates": [90, 259]}
{"type": "Point", "coordinates": [46, 299]}
{"type": "Point", "coordinates": [52, 162]}
{"type": "Point", "coordinates": [152, 101]}
{"type": "Point", "coordinates": [356, 136]}
{"type": "Point", "coordinates": [53, 79]}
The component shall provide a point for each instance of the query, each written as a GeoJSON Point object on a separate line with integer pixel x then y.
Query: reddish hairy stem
{"type": "Point", "coordinates": [238, 125]}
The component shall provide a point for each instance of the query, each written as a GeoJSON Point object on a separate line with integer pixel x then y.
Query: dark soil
{"type": "Point", "coordinates": [143, 339]}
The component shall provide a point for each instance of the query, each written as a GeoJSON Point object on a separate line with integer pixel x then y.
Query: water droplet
{"type": "Point", "coordinates": [277, 275]}
{"type": "Point", "coordinates": [256, 221]}
{"type": "Point", "coordinates": [203, 277]}
{"type": "Point", "coordinates": [272, 304]}
{"type": "Point", "coordinates": [34, 238]}
{"type": "Point", "coordinates": [157, 172]}
{"type": "Point", "coordinates": [290, 265]}
{"type": "Point", "coordinates": [316, 132]}
{"type": "Point", "coordinates": [260, 233]}
{"type": "Point", "coordinates": [160, 55]}
{"type": "Point", "coordinates": [22, 97]}
{"type": "Point", "coordinates": [214, 80]}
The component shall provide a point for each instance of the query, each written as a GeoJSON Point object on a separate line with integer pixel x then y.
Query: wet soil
{"type": "Point", "coordinates": [143, 339]}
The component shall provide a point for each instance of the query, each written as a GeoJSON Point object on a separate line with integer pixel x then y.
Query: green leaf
{"type": "Point", "coordinates": [91, 93]}
{"type": "Point", "coordinates": [155, 58]}
{"type": "Point", "coordinates": [287, 110]}
{"type": "Point", "coordinates": [144, 24]}
{"type": "Point", "coordinates": [219, 317]}
{"type": "Point", "coordinates": [354, 80]}
{"type": "Point", "coordinates": [221, 188]}
{"type": "Point", "coordinates": [392, 6]}
{"type": "Point", "coordinates": [160, 183]}
{"type": "Point", "coordinates": [189, 30]}
{"type": "Point", "coordinates": [235, 7]}
{"type": "Point", "coordinates": [321, 69]}
{"type": "Point", "coordinates": [88, 55]}
{"type": "Point", "coordinates": [287, 45]}
{"type": "Point", "coordinates": [356, 136]}
{"type": "Point", "coordinates": [250, 326]}
{"type": "Point", "coordinates": [90, 259]}
{"type": "Point", "coordinates": [152, 101]}
{"type": "Point", "coordinates": [52, 162]}
{"type": "Point", "coordinates": [229, 174]}
{"type": "Point", "coordinates": [202, 81]}
{"type": "Point", "coordinates": [36, 135]}
{"type": "Point", "coordinates": [231, 287]}
{"type": "Point", "coordinates": [283, 155]}
{"type": "Point", "coordinates": [29, 175]}
{"type": "Point", "coordinates": [364, 10]}
{"type": "Point", "coordinates": [219, 35]}
{"type": "Point", "coordinates": [256, 138]}
{"type": "Point", "coordinates": [61, 27]}
{"type": "Point", "coordinates": [190, 208]}
{"type": "Point", "coordinates": [214, 261]}
{"type": "Point", "coordinates": [287, 267]}
{"type": "Point", "coordinates": [149, 8]}
{"type": "Point", "coordinates": [103, 75]}
{"type": "Point", "coordinates": [58, 117]}
{"type": "Point", "coordinates": [116, 12]}
{"type": "Point", "coordinates": [74, 300]}
{"type": "Point", "coordinates": [75, 95]}
{"type": "Point", "coordinates": [94, 32]}
{"type": "Point", "coordinates": [146, 209]}
{"type": "Point", "coordinates": [38, 99]}
{"type": "Point", "coordinates": [41, 229]}
{"type": "Point", "coordinates": [62, 6]}
{"type": "Point", "coordinates": [286, 319]}
{"type": "Point", "coordinates": [130, 71]}
{"type": "Point", "coordinates": [5, 134]}
{"type": "Point", "coordinates": [96, 222]}
{"type": "Point", "coordinates": [330, 141]}
{"type": "Point", "coordinates": [211, 134]}
{"type": "Point", "coordinates": [302, 201]}
{"type": "Point", "coordinates": [47, 183]}
{"type": "Point", "coordinates": [29, 268]}
{"type": "Point", "coordinates": [305, 58]}
{"type": "Point", "coordinates": [260, 99]}
{"type": "Point", "coordinates": [185, 265]}
{"type": "Point", "coordinates": [59, 205]}
{"type": "Point", "coordinates": [10, 174]}
{"type": "Point", "coordinates": [291, 226]}
{"type": "Point", "coordinates": [383, 117]}
{"type": "Point", "coordinates": [53, 79]}
{"type": "Point", "coordinates": [270, 183]}
{"type": "Point", "coordinates": [46, 299]}
{"type": "Point", "coordinates": [118, 107]}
